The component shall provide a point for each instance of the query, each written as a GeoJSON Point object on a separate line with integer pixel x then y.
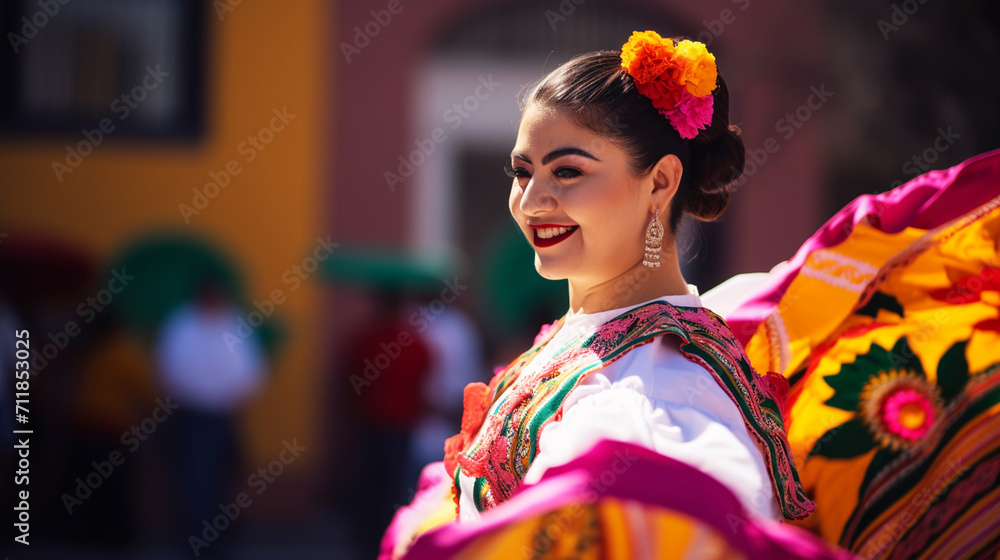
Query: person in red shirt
{"type": "Point", "coordinates": [387, 365]}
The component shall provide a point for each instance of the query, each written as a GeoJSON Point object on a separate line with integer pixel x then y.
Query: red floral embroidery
{"type": "Point", "coordinates": [775, 386]}
{"type": "Point", "coordinates": [970, 288]}
{"type": "Point", "coordinates": [475, 404]}
{"type": "Point", "coordinates": [489, 454]}
{"type": "Point", "coordinates": [500, 463]}
{"type": "Point", "coordinates": [612, 331]}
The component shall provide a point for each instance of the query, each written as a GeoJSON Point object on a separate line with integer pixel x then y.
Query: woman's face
{"type": "Point", "coordinates": [575, 199]}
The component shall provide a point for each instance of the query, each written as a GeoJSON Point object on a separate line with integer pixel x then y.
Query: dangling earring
{"type": "Point", "coordinates": [654, 239]}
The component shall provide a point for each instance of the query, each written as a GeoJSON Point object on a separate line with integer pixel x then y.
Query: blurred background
{"type": "Point", "coordinates": [260, 247]}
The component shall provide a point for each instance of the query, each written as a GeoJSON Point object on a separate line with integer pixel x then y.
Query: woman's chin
{"type": "Point", "coordinates": [550, 269]}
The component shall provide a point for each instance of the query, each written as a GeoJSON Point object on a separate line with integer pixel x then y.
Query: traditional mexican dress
{"type": "Point", "coordinates": [609, 375]}
{"type": "Point", "coordinates": [654, 404]}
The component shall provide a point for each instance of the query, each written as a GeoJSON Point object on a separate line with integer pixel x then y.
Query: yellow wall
{"type": "Point", "coordinates": [262, 55]}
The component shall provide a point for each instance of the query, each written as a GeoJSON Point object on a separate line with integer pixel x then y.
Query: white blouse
{"type": "Point", "coordinates": [654, 397]}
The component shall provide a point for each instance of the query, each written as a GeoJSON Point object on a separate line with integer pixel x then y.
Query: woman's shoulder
{"type": "Point", "coordinates": [663, 375]}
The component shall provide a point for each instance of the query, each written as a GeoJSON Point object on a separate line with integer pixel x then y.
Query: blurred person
{"type": "Point", "coordinates": [638, 389]}
{"type": "Point", "coordinates": [114, 392]}
{"type": "Point", "coordinates": [209, 373]}
{"type": "Point", "coordinates": [387, 364]}
{"type": "Point", "coordinates": [455, 347]}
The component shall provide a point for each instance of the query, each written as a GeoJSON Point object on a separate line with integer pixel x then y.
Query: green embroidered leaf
{"type": "Point", "coordinates": [848, 383]}
{"type": "Point", "coordinates": [847, 390]}
{"type": "Point", "coordinates": [903, 357]}
{"type": "Point", "coordinates": [847, 440]}
{"type": "Point", "coordinates": [852, 377]}
{"type": "Point", "coordinates": [880, 300]}
{"type": "Point", "coordinates": [953, 371]}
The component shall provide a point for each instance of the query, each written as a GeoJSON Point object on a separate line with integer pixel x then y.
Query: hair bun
{"type": "Point", "coordinates": [716, 162]}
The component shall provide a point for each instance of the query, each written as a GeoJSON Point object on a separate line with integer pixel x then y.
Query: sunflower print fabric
{"type": "Point", "coordinates": [891, 344]}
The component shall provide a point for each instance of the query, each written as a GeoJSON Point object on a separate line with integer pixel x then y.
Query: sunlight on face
{"type": "Point", "coordinates": [575, 199]}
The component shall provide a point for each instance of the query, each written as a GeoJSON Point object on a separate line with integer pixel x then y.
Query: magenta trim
{"type": "Point", "coordinates": [926, 202]}
{"type": "Point", "coordinates": [682, 488]}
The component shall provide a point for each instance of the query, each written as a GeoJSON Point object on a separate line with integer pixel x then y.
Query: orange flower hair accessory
{"type": "Point", "coordinates": [678, 78]}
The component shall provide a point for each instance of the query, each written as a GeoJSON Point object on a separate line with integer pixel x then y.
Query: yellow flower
{"type": "Point", "coordinates": [697, 69]}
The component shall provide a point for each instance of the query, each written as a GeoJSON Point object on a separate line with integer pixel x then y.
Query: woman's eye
{"type": "Point", "coordinates": [516, 172]}
{"type": "Point", "coordinates": [567, 172]}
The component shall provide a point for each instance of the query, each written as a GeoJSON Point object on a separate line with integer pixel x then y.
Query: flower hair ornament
{"type": "Point", "coordinates": [678, 77]}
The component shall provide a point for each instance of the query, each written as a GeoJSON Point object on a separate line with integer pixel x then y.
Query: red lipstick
{"type": "Point", "coordinates": [548, 242]}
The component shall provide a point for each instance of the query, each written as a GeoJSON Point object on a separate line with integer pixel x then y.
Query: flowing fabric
{"type": "Point", "coordinates": [887, 325]}
{"type": "Point", "coordinates": [618, 501]}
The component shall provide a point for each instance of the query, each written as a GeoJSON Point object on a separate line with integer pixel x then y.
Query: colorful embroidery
{"type": "Point", "coordinates": [896, 404]}
{"type": "Point", "coordinates": [895, 398]}
{"type": "Point", "coordinates": [900, 407]}
{"type": "Point", "coordinates": [525, 401]}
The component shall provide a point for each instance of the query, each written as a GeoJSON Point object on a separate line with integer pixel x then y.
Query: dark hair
{"type": "Point", "coordinates": [601, 96]}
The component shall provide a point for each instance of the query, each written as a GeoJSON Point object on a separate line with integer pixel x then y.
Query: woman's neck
{"type": "Point", "coordinates": [634, 286]}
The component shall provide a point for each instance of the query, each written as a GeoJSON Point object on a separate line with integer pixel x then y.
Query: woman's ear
{"type": "Point", "coordinates": [666, 178]}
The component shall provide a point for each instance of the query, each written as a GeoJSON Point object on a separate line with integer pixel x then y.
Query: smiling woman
{"type": "Point", "coordinates": [638, 377]}
{"type": "Point", "coordinates": [608, 163]}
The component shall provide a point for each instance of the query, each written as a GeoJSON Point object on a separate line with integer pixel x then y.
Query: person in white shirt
{"type": "Point", "coordinates": [209, 373]}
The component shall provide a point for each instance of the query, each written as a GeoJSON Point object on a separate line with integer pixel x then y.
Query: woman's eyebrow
{"type": "Point", "coordinates": [556, 154]}
{"type": "Point", "coordinates": [566, 152]}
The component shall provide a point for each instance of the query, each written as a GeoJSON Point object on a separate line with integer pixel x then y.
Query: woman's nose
{"type": "Point", "coordinates": [537, 198]}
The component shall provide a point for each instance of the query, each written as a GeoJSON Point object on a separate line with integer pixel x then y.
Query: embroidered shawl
{"type": "Point", "coordinates": [501, 422]}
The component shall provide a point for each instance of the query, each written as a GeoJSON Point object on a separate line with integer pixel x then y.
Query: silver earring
{"type": "Point", "coordinates": [654, 241]}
